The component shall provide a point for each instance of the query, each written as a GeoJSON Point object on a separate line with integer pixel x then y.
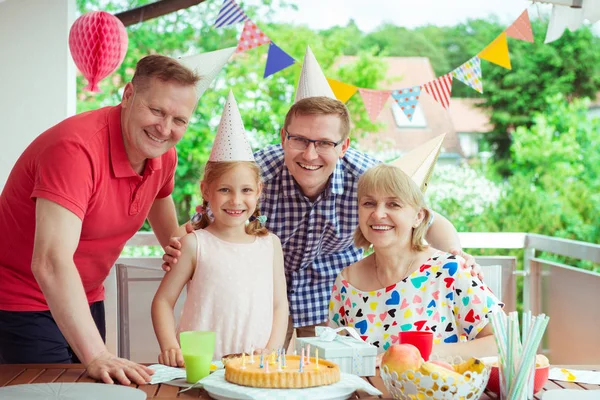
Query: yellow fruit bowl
{"type": "Point", "coordinates": [433, 381]}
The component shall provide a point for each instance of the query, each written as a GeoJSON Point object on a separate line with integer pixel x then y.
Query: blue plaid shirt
{"type": "Point", "coordinates": [317, 237]}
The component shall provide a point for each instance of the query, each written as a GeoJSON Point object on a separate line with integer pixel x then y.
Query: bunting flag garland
{"type": "Point", "coordinates": [374, 101]}
{"type": "Point", "coordinates": [440, 89]}
{"type": "Point", "coordinates": [497, 52]}
{"type": "Point", "coordinates": [252, 36]}
{"type": "Point", "coordinates": [342, 90]}
{"type": "Point", "coordinates": [521, 28]}
{"type": "Point", "coordinates": [230, 14]}
{"type": "Point", "coordinates": [561, 19]}
{"type": "Point", "coordinates": [277, 60]}
{"type": "Point", "coordinates": [470, 74]}
{"type": "Point", "coordinates": [407, 100]}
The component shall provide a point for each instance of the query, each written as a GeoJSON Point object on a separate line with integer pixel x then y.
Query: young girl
{"type": "Point", "coordinates": [233, 268]}
{"type": "Point", "coordinates": [405, 285]}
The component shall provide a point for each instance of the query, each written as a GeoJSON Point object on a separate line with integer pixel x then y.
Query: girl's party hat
{"type": "Point", "coordinates": [312, 81]}
{"type": "Point", "coordinates": [231, 143]}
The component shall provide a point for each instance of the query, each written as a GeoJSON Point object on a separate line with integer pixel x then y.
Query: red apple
{"type": "Point", "coordinates": [402, 357]}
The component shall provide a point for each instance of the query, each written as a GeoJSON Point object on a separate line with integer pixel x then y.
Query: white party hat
{"type": "Point", "coordinates": [419, 162]}
{"type": "Point", "coordinates": [312, 81]}
{"type": "Point", "coordinates": [208, 66]}
{"type": "Point", "coordinates": [231, 143]}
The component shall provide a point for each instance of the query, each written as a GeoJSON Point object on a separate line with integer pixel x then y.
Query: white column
{"type": "Point", "coordinates": [37, 73]}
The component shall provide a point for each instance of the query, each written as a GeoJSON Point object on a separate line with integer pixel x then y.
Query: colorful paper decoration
{"type": "Point", "coordinates": [342, 90]}
{"type": "Point", "coordinates": [231, 142]}
{"type": "Point", "coordinates": [407, 100]}
{"type": "Point", "coordinates": [312, 81]}
{"type": "Point", "coordinates": [277, 60]}
{"type": "Point", "coordinates": [470, 74]}
{"type": "Point", "coordinates": [252, 36]}
{"type": "Point", "coordinates": [207, 65]}
{"type": "Point", "coordinates": [561, 19]}
{"type": "Point", "coordinates": [98, 43]}
{"type": "Point", "coordinates": [440, 89]}
{"type": "Point", "coordinates": [521, 28]}
{"type": "Point", "coordinates": [229, 14]}
{"type": "Point", "coordinates": [374, 101]}
{"type": "Point", "coordinates": [497, 52]}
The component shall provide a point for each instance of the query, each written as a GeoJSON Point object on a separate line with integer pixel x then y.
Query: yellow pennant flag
{"type": "Point", "coordinates": [342, 90]}
{"type": "Point", "coordinates": [497, 52]}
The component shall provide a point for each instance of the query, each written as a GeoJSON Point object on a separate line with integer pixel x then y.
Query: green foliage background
{"type": "Point", "coordinates": [546, 163]}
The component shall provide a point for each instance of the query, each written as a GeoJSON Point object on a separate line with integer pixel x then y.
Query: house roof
{"type": "Point", "coordinates": [467, 116]}
{"type": "Point", "coordinates": [406, 72]}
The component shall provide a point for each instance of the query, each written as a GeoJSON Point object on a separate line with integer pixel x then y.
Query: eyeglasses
{"type": "Point", "coordinates": [302, 143]}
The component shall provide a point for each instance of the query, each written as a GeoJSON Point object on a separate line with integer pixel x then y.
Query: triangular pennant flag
{"type": "Point", "coordinates": [231, 142]}
{"type": "Point", "coordinates": [207, 65]}
{"type": "Point", "coordinates": [230, 14]}
{"type": "Point", "coordinates": [251, 37]}
{"type": "Point", "coordinates": [277, 60]}
{"type": "Point", "coordinates": [561, 19]}
{"type": "Point", "coordinates": [312, 81]}
{"type": "Point", "coordinates": [374, 101]}
{"type": "Point", "coordinates": [521, 28]}
{"type": "Point", "coordinates": [497, 52]}
{"type": "Point", "coordinates": [440, 89]}
{"type": "Point", "coordinates": [470, 74]}
{"type": "Point", "coordinates": [419, 162]}
{"type": "Point", "coordinates": [407, 100]}
{"type": "Point", "coordinates": [342, 90]}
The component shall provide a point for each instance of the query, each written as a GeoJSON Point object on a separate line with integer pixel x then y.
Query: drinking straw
{"type": "Point", "coordinates": [528, 357]}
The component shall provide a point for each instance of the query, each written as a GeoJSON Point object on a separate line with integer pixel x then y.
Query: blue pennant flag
{"type": "Point", "coordinates": [230, 14]}
{"type": "Point", "coordinates": [277, 60]}
{"type": "Point", "coordinates": [407, 100]}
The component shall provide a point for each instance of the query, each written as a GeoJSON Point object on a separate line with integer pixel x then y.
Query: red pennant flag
{"type": "Point", "coordinates": [374, 101]}
{"type": "Point", "coordinates": [252, 36]}
{"type": "Point", "coordinates": [521, 28]}
{"type": "Point", "coordinates": [440, 89]}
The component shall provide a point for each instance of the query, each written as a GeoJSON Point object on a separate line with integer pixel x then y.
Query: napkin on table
{"type": "Point", "coordinates": [575, 375]}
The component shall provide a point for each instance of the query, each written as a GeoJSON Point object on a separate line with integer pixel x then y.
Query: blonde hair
{"type": "Point", "coordinates": [392, 181]}
{"type": "Point", "coordinates": [320, 105]}
{"type": "Point", "coordinates": [212, 172]}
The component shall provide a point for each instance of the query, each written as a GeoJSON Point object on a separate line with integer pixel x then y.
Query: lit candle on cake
{"type": "Point", "coordinates": [261, 361]}
{"type": "Point", "coordinates": [284, 356]}
{"type": "Point", "coordinates": [302, 360]}
{"type": "Point", "coordinates": [307, 354]}
{"type": "Point", "coordinates": [279, 361]}
{"type": "Point", "coordinates": [317, 358]}
{"type": "Point", "coordinates": [251, 354]}
{"type": "Point", "coordinates": [267, 367]}
{"type": "Point", "coordinates": [243, 360]}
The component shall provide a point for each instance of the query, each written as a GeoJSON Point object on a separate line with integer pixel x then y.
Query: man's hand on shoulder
{"type": "Point", "coordinates": [469, 261]}
{"type": "Point", "coordinates": [107, 367]}
{"type": "Point", "coordinates": [173, 249]}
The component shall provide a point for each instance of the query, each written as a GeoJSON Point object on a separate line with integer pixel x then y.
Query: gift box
{"type": "Point", "coordinates": [354, 356]}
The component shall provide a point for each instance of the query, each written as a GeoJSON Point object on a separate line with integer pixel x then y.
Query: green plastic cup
{"type": "Point", "coordinates": [197, 348]}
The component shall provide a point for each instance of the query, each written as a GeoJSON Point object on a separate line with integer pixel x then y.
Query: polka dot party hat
{"type": "Point", "coordinates": [312, 81]}
{"type": "Point", "coordinates": [231, 143]}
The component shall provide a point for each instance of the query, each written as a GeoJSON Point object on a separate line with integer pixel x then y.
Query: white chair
{"type": "Point", "coordinates": [499, 276]}
{"type": "Point", "coordinates": [137, 282]}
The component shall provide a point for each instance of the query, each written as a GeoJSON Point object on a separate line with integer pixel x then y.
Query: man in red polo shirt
{"type": "Point", "coordinates": [71, 202]}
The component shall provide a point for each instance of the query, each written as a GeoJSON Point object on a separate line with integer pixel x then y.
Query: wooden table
{"type": "Point", "coordinates": [45, 373]}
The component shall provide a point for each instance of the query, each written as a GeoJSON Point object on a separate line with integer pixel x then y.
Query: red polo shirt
{"type": "Point", "coordinates": [82, 165]}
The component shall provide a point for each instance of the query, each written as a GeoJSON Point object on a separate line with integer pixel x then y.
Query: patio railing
{"type": "Point", "coordinates": [567, 294]}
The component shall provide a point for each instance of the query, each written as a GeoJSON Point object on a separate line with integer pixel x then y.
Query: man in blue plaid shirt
{"type": "Point", "coordinates": [309, 196]}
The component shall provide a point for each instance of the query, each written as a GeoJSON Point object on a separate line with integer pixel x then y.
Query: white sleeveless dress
{"type": "Point", "coordinates": [231, 293]}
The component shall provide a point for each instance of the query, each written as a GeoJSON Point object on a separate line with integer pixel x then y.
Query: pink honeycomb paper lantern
{"type": "Point", "coordinates": [98, 43]}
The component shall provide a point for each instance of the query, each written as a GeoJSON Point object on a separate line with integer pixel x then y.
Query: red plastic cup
{"type": "Point", "coordinates": [421, 340]}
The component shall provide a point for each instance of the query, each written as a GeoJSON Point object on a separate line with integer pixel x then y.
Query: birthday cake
{"type": "Point", "coordinates": [248, 372]}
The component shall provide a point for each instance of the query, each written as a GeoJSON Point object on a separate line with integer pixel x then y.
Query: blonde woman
{"type": "Point", "coordinates": [406, 285]}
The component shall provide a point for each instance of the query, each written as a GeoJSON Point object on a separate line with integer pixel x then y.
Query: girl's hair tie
{"type": "Point", "coordinates": [262, 219]}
